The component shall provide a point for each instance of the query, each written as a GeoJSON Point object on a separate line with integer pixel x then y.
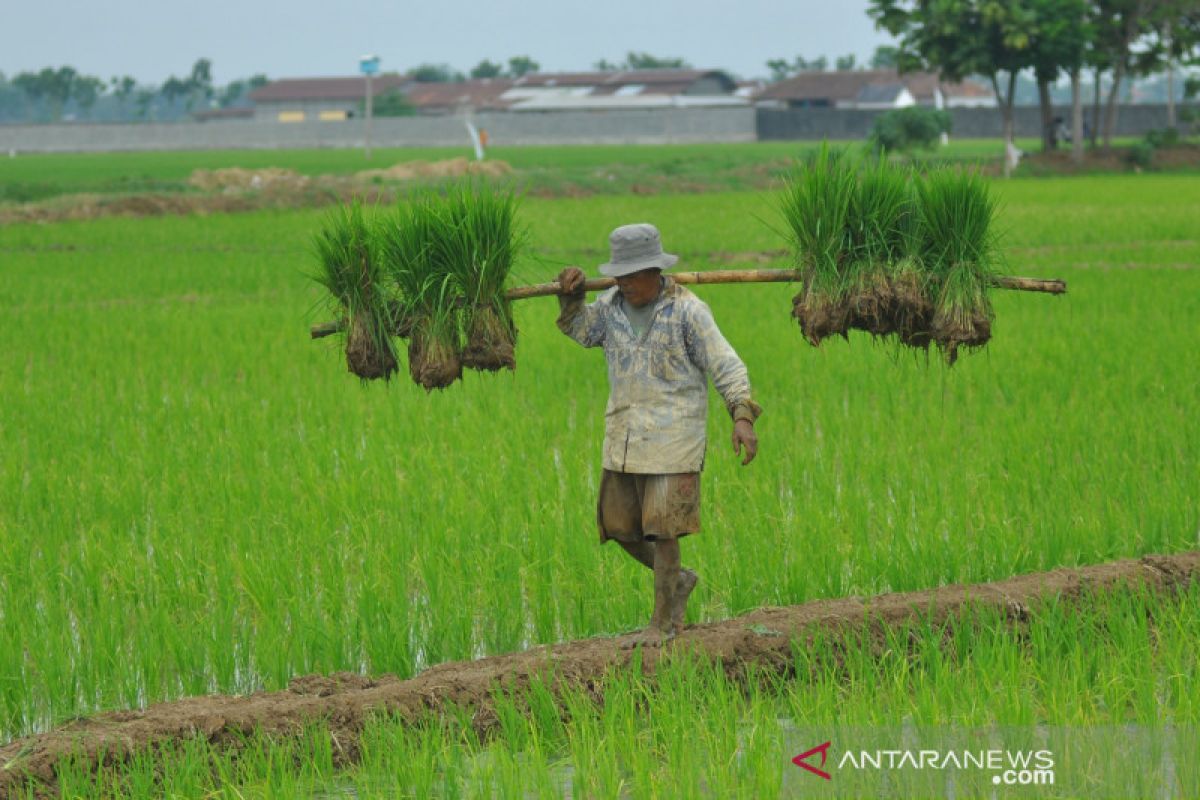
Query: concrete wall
{"type": "Point", "coordinates": [627, 126]}
{"type": "Point", "coordinates": [968, 123]}
{"type": "Point", "coordinates": [641, 126]}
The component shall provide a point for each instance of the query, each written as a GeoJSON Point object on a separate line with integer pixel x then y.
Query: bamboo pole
{"type": "Point", "coordinates": [1047, 286]}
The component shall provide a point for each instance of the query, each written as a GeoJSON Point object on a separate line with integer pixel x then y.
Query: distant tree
{"type": "Point", "coordinates": [1175, 26]}
{"type": "Point", "coordinates": [173, 89]}
{"type": "Point", "coordinates": [238, 89]}
{"type": "Point", "coordinates": [1120, 27]}
{"type": "Point", "coordinates": [435, 73]}
{"type": "Point", "coordinates": [233, 91]}
{"type": "Point", "coordinates": [13, 102]}
{"type": "Point", "coordinates": [199, 83]}
{"type": "Point", "coordinates": [85, 90]}
{"type": "Point", "coordinates": [522, 65]}
{"type": "Point", "coordinates": [122, 89]}
{"type": "Point", "coordinates": [1059, 34]}
{"type": "Point", "coordinates": [487, 69]}
{"type": "Point", "coordinates": [604, 65]}
{"type": "Point", "coordinates": [635, 61]}
{"type": "Point", "coordinates": [393, 103]}
{"type": "Point", "coordinates": [905, 129]}
{"type": "Point", "coordinates": [844, 63]}
{"type": "Point", "coordinates": [884, 57]}
{"type": "Point", "coordinates": [781, 68]}
{"type": "Point", "coordinates": [49, 85]}
{"type": "Point", "coordinates": [145, 102]}
{"type": "Point", "coordinates": [31, 84]}
{"type": "Point", "coordinates": [957, 38]}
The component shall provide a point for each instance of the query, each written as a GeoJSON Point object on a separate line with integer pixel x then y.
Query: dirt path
{"type": "Point", "coordinates": [762, 637]}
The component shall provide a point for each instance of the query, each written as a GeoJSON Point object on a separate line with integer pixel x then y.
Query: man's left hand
{"type": "Point", "coordinates": [743, 435]}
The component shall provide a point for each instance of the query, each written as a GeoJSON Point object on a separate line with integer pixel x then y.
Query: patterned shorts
{"type": "Point", "coordinates": [633, 508]}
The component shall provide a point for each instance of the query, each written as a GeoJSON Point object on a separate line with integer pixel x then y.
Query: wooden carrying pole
{"type": "Point", "coordinates": [1048, 286]}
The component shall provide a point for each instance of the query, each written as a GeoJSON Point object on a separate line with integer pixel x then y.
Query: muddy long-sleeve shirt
{"type": "Point", "coordinates": [658, 392]}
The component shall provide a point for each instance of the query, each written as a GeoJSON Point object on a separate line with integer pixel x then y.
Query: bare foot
{"type": "Point", "coordinates": [683, 590]}
{"type": "Point", "coordinates": [650, 636]}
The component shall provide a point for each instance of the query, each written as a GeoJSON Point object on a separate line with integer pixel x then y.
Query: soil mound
{"type": "Point", "coordinates": [236, 179]}
{"type": "Point", "coordinates": [763, 638]}
{"type": "Point", "coordinates": [424, 170]}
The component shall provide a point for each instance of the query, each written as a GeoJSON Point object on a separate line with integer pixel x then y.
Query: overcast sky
{"type": "Point", "coordinates": [151, 40]}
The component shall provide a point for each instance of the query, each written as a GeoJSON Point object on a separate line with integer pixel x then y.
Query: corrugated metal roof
{"type": "Point", "coordinates": [845, 85]}
{"type": "Point", "coordinates": [656, 81]}
{"type": "Point", "coordinates": [482, 93]}
{"type": "Point", "coordinates": [301, 89]}
{"type": "Point", "coordinates": [879, 92]}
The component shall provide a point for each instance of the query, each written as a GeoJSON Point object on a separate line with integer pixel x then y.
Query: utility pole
{"type": "Point", "coordinates": [368, 65]}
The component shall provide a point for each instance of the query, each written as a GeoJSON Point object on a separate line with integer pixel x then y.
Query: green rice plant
{"type": "Point", "coordinates": [450, 254]}
{"type": "Point", "coordinates": [349, 267]}
{"type": "Point", "coordinates": [428, 300]}
{"type": "Point", "coordinates": [477, 242]}
{"type": "Point", "coordinates": [879, 210]}
{"type": "Point", "coordinates": [815, 206]}
{"type": "Point", "coordinates": [958, 249]}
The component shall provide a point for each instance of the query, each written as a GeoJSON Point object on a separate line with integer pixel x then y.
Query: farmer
{"type": "Point", "coordinates": [661, 344]}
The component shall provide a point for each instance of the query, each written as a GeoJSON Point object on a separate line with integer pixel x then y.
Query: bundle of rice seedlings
{"type": "Point", "coordinates": [815, 206]}
{"type": "Point", "coordinates": [477, 243]}
{"type": "Point", "coordinates": [912, 306]}
{"type": "Point", "coordinates": [350, 269]}
{"type": "Point", "coordinates": [879, 211]}
{"type": "Point", "coordinates": [434, 348]}
{"type": "Point", "coordinates": [428, 302]}
{"type": "Point", "coordinates": [959, 251]}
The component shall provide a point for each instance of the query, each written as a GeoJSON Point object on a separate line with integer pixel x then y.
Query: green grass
{"type": "Point", "coordinates": [195, 497]}
{"type": "Point", "coordinates": [1104, 681]}
{"type": "Point", "coordinates": [592, 169]}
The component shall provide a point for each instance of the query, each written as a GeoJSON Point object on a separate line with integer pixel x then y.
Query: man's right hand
{"type": "Point", "coordinates": [571, 280]}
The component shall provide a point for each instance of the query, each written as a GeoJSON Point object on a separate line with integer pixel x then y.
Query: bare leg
{"type": "Point", "coordinates": [643, 551]}
{"type": "Point", "coordinates": [687, 582]}
{"type": "Point", "coordinates": [666, 579]}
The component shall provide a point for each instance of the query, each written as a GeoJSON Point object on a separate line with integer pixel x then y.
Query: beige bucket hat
{"type": "Point", "coordinates": [635, 248]}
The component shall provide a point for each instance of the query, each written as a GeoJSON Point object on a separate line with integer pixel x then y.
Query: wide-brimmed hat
{"type": "Point", "coordinates": [635, 248]}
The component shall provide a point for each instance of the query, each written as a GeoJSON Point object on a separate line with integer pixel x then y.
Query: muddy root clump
{"type": "Point", "coordinates": [432, 362]}
{"type": "Point", "coordinates": [366, 355]}
{"type": "Point", "coordinates": [912, 311]}
{"type": "Point", "coordinates": [951, 333]}
{"type": "Point", "coordinates": [821, 318]}
{"type": "Point", "coordinates": [872, 306]}
{"type": "Point", "coordinates": [491, 341]}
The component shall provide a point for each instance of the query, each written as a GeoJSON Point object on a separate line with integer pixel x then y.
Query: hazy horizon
{"type": "Point", "coordinates": [150, 43]}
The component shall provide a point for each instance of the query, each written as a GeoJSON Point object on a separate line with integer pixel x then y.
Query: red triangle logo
{"type": "Point", "coordinates": [800, 760]}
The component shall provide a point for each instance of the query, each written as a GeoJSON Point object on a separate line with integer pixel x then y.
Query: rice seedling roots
{"type": "Point", "coordinates": [432, 362]}
{"type": "Point", "coordinates": [364, 357]}
{"type": "Point", "coordinates": [491, 342]}
{"type": "Point", "coordinates": [762, 639]}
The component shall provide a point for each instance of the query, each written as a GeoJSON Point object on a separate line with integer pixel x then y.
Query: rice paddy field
{"type": "Point", "coordinates": [196, 498]}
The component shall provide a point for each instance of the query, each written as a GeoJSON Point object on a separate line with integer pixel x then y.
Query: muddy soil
{"type": "Point", "coordinates": [761, 638]}
{"type": "Point", "coordinates": [233, 190]}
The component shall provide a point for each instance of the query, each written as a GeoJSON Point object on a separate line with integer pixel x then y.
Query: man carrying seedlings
{"type": "Point", "coordinates": [661, 344]}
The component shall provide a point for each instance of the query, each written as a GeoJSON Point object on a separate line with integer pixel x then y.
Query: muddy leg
{"type": "Point", "coordinates": [643, 551]}
{"type": "Point", "coordinates": [687, 582]}
{"type": "Point", "coordinates": [666, 579]}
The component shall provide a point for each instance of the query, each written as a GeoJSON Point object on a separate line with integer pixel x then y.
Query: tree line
{"type": "Point", "coordinates": [51, 93]}
{"type": "Point", "coordinates": [517, 66]}
{"type": "Point", "coordinates": [1115, 40]}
